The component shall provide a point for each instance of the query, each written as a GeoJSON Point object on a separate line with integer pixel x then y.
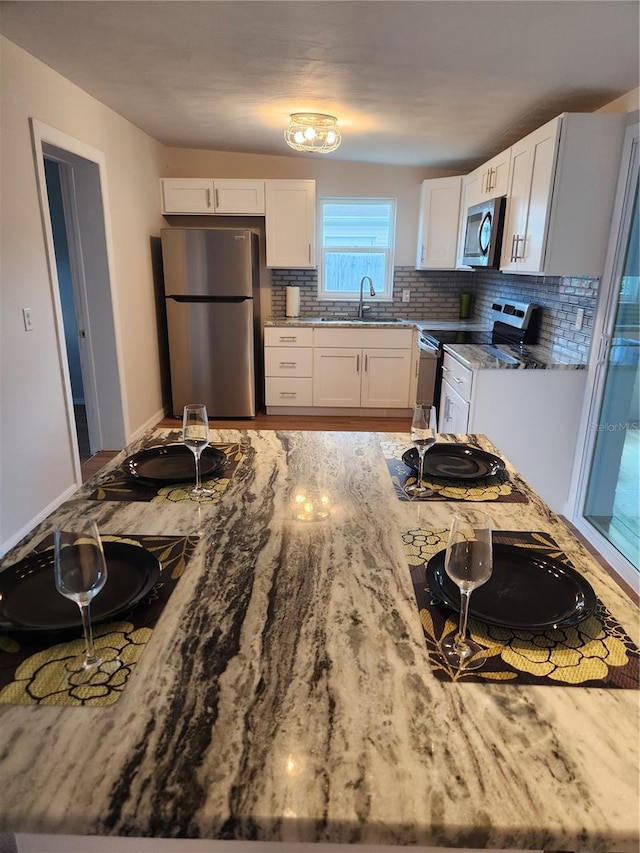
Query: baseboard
{"type": "Point", "coordinates": [24, 531]}
{"type": "Point", "coordinates": [149, 424]}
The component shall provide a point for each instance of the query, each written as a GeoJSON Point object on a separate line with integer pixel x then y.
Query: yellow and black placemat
{"type": "Point", "coordinates": [595, 653]}
{"type": "Point", "coordinates": [499, 487]}
{"type": "Point", "coordinates": [118, 486]}
{"type": "Point", "coordinates": [33, 665]}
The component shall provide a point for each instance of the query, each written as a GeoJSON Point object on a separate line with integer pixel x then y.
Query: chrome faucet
{"type": "Point", "coordinates": [361, 307]}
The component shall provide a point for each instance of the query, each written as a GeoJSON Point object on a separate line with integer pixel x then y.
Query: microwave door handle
{"type": "Point", "coordinates": [484, 249]}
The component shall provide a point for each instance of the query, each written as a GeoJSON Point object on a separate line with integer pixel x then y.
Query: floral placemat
{"type": "Point", "coordinates": [595, 653]}
{"type": "Point", "coordinates": [33, 665]}
{"type": "Point", "coordinates": [499, 487]}
{"type": "Point", "coordinates": [118, 486]}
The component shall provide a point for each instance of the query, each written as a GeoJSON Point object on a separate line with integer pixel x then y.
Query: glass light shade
{"type": "Point", "coordinates": [313, 132]}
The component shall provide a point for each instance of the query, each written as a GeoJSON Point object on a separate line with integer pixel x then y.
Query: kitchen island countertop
{"type": "Point", "coordinates": [286, 694]}
{"type": "Point", "coordinates": [528, 357]}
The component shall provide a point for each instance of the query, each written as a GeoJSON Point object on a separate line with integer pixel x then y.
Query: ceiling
{"type": "Point", "coordinates": [422, 83]}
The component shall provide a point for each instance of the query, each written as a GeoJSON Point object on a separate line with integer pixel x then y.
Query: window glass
{"type": "Point", "coordinates": [357, 239]}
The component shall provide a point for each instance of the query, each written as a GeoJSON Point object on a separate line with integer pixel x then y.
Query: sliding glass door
{"type": "Point", "coordinates": [608, 505]}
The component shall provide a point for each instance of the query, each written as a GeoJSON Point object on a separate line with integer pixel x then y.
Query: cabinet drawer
{"type": "Point", "coordinates": [458, 376]}
{"type": "Point", "coordinates": [288, 361]}
{"type": "Point", "coordinates": [288, 392]}
{"type": "Point", "coordinates": [281, 336]}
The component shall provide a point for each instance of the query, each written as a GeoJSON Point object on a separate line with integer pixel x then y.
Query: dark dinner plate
{"type": "Point", "coordinates": [526, 590]}
{"type": "Point", "coordinates": [455, 462]}
{"type": "Point", "coordinates": [173, 463]}
{"type": "Point", "coordinates": [29, 600]}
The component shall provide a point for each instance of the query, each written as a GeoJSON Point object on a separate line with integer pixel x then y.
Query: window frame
{"type": "Point", "coordinates": [383, 294]}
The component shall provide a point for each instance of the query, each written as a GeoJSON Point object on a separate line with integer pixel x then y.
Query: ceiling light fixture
{"type": "Point", "coordinates": [313, 132]}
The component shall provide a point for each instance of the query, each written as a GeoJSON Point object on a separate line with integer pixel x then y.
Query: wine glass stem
{"type": "Point", "coordinates": [421, 466]}
{"type": "Point", "coordinates": [198, 485]}
{"type": "Point", "coordinates": [90, 657]}
{"type": "Point", "coordinates": [461, 639]}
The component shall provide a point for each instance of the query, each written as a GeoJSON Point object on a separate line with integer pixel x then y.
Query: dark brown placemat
{"type": "Point", "coordinates": [118, 486]}
{"type": "Point", "coordinates": [595, 653]}
{"type": "Point", "coordinates": [32, 665]}
{"type": "Point", "coordinates": [499, 487]}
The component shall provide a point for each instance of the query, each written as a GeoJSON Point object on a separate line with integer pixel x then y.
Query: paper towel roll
{"type": "Point", "coordinates": [293, 302]}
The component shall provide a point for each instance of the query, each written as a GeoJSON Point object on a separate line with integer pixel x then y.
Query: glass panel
{"type": "Point", "coordinates": [357, 224]}
{"type": "Point", "coordinates": [344, 271]}
{"type": "Point", "coordinates": [612, 504]}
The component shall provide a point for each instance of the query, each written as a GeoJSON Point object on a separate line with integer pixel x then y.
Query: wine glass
{"type": "Point", "coordinates": [195, 434]}
{"type": "Point", "coordinates": [424, 429]}
{"type": "Point", "coordinates": [80, 573]}
{"type": "Point", "coordinates": [469, 563]}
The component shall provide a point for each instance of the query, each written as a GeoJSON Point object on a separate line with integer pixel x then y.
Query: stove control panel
{"type": "Point", "coordinates": [517, 314]}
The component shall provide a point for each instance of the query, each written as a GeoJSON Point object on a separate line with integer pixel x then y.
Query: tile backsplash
{"type": "Point", "coordinates": [436, 295]}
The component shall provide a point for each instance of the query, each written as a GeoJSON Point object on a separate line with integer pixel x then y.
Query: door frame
{"type": "Point", "coordinates": [111, 416]}
{"type": "Point", "coordinates": [603, 325]}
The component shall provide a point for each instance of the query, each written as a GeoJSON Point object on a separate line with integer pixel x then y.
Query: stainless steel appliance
{"type": "Point", "coordinates": [211, 284]}
{"type": "Point", "coordinates": [483, 234]}
{"type": "Point", "coordinates": [513, 323]}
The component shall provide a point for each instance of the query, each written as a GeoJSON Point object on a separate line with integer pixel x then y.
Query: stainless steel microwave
{"type": "Point", "coordinates": [483, 234]}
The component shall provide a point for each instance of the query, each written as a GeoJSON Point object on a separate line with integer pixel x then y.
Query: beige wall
{"type": "Point", "coordinates": [36, 463]}
{"type": "Point", "coordinates": [627, 103]}
{"type": "Point", "coordinates": [333, 178]}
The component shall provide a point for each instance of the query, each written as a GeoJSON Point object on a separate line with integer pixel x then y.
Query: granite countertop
{"type": "Point", "coordinates": [454, 325]}
{"type": "Point", "coordinates": [513, 357]}
{"type": "Point", "coordinates": [286, 694]}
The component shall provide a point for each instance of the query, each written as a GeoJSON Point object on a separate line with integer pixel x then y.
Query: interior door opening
{"type": "Point", "coordinates": [73, 330]}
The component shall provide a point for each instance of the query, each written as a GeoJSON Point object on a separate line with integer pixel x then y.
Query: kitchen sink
{"type": "Point", "coordinates": [360, 320]}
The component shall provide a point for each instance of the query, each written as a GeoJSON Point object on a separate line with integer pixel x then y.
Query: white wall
{"type": "Point", "coordinates": [333, 178]}
{"type": "Point", "coordinates": [36, 462]}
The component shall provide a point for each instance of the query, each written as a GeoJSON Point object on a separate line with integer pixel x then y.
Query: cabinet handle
{"type": "Point", "coordinates": [422, 255]}
{"type": "Point", "coordinates": [309, 244]}
{"type": "Point", "coordinates": [358, 363]}
{"type": "Point", "coordinates": [217, 198]}
{"type": "Point", "coordinates": [288, 363]}
{"type": "Point", "coordinates": [447, 406]}
{"type": "Point", "coordinates": [283, 338]}
{"type": "Point", "coordinates": [288, 393]}
{"type": "Point", "coordinates": [366, 363]}
{"type": "Point", "coordinates": [208, 198]}
{"type": "Point", "coordinates": [446, 370]}
{"type": "Point", "coordinates": [458, 380]}
{"type": "Point", "coordinates": [511, 256]}
{"type": "Point", "coordinates": [492, 175]}
{"type": "Point", "coordinates": [516, 255]}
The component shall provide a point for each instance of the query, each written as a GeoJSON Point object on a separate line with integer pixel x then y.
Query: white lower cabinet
{"type": "Point", "coordinates": [361, 378]}
{"type": "Point", "coordinates": [531, 416]}
{"type": "Point", "coordinates": [339, 368]}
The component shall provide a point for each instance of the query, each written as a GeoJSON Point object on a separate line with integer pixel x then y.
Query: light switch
{"type": "Point", "coordinates": [26, 316]}
{"type": "Point", "coordinates": [406, 295]}
{"type": "Point", "coordinates": [579, 318]}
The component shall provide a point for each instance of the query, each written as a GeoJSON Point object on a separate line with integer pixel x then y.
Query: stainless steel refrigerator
{"type": "Point", "coordinates": [211, 285]}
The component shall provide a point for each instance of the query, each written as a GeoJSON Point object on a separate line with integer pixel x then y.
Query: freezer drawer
{"type": "Point", "coordinates": [211, 353]}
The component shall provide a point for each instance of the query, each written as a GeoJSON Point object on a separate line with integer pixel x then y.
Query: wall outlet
{"type": "Point", "coordinates": [406, 295]}
{"type": "Point", "coordinates": [579, 318]}
{"type": "Point", "coordinates": [26, 317]}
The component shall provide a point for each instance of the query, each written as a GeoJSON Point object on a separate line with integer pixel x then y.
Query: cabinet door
{"type": "Point", "coordinates": [239, 196]}
{"type": "Point", "coordinates": [532, 169]}
{"type": "Point", "coordinates": [336, 376]}
{"type": "Point", "coordinates": [494, 180]}
{"type": "Point", "coordinates": [470, 195]}
{"type": "Point", "coordinates": [454, 411]}
{"type": "Point", "coordinates": [187, 195]}
{"type": "Point", "coordinates": [439, 219]}
{"type": "Point", "coordinates": [386, 378]}
{"type": "Point", "coordinates": [290, 224]}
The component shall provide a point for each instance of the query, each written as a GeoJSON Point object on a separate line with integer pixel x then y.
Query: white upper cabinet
{"type": "Point", "coordinates": [211, 195]}
{"type": "Point", "coordinates": [438, 223]}
{"type": "Point", "coordinates": [494, 176]}
{"type": "Point", "coordinates": [290, 224]}
{"type": "Point", "coordinates": [561, 191]}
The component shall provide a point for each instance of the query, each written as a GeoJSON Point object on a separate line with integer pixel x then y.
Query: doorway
{"type": "Point", "coordinates": [72, 189]}
{"type": "Point", "coordinates": [607, 506]}
{"type": "Point", "coordinates": [72, 305]}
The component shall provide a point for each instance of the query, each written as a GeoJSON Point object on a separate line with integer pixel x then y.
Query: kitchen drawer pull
{"type": "Point", "coordinates": [288, 393]}
{"type": "Point", "coordinates": [288, 364]}
{"type": "Point", "coordinates": [358, 363]}
{"type": "Point", "coordinates": [458, 380]}
{"type": "Point", "coordinates": [283, 338]}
